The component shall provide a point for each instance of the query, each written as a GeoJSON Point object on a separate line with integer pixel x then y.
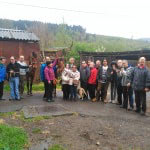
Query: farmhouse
{"type": "Point", "coordinates": [18, 42]}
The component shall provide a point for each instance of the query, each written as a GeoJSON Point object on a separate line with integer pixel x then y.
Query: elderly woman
{"type": "Point", "coordinates": [73, 82]}
{"type": "Point", "coordinates": [65, 82]}
{"type": "Point", "coordinates": [49, 78]}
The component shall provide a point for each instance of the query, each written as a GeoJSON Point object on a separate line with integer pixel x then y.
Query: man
{"type": "Point", "coordinates": [92, 81]}
{"type": "Point", "coordinates": [13, 70]}
{"type": "Point", "coordinates": [119, 85]}
{"type": "Point", "coordinates": [139, 80]}
{"type": "Point", "coordinates": [103, 80]}
{"type": "Point", "coordinates": [2, 76]}
{"type": "Point", "coordinates": [22, 77]}
{"type": "Point", "coordinates": [127, 91]}
{"type": "Point", "coordinates": [42, 76]}
{"type": "Point", "coordinates": [98, 64]}
{"type": "Point", "coordinates": [71, 62]}
{"type": "Point", "coordinates": [84, 76]}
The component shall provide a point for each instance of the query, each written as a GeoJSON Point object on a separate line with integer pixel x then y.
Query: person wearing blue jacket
{"type": "Point", "coordinates": [2, 76]}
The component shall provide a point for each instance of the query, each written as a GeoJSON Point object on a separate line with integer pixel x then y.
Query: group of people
{"type": "Point", "coordinates": [15, 72]}
{"type": "Point", "coordinates": [127, 83]}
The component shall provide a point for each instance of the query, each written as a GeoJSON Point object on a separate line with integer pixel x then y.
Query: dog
{"type": "Point", "coordinates": [82, 93]}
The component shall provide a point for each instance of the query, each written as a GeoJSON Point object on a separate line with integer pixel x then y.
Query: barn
{"type": "Point", "coordinates": [131, 56]}
{"type": "Point", "coordinates": [18, 42]}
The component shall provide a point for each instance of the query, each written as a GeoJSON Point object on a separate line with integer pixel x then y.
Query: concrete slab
{"type": "Point", "coordinates": [44, 110]}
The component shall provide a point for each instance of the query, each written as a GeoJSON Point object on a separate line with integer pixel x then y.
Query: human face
{"type": "Point", "coordinates": [12, 60]}
{"type": "Point", "coordinates": [67, 66]}
{"type": "Point", "coordinates": [119, 63]}
{"type": "Point", "coordinates": [142, 62]}
{"type": "Point", "coordinates": [105, 62]}
{"type": "Point", "coordinates": [22, 58]}
{"type": "Point", "coordinates": [74, 68]}
{"type": "Point", "coordinates": [47, 59]}
{"type": "Point", "coordinates": [3, 61]}
{"type": "Point", "coordinates": [125, 64]}
{"type": "Point", "coordinates": [83, 64]}
{"type": "Point", "coordinates": [91, 65]}
{"type": "Point", "coordinates": [72, 61]}
{"type": "Point", "coordinates": [98, 63]}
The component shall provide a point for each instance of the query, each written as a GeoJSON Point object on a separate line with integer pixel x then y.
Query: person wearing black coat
{"type": "Point", "coordinates": [13, 71]}
{"type": "Point", "coordinates": [103, 79]}
{"type": "Point", "coordinates": [139, 80]}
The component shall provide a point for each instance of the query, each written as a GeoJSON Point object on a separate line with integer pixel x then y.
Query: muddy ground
{"type": "Point", "coordinates": [93, 126]}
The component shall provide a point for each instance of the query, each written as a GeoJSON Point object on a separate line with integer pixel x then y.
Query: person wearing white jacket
{"type": "Point", "coordinates": [65, 82]}
{"type": "Point", "coordinates": [73, 82]}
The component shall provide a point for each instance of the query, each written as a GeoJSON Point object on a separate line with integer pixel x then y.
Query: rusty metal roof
{"type": "Point", "coordinates": [20, 35]}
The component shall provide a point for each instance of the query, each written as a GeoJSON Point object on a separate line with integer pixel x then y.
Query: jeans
{"type": "Point", "coordinates": [73, 91]}
{"type": "Point", "coordinates": [14, 87]}
{"type": "Point", "coordinates": [113, 90]}
{"type": "Point", "coordinates": [127, 96]}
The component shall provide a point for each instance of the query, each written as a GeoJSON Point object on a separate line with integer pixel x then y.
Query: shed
{"type": "Point", "coordinates": [131, 56]}
{"type": "Point", "coordinates": [18, 42]}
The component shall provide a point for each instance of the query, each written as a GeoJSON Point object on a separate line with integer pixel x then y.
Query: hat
{"type": "Point", "coordinates": [48, 62]}
{"type": "Point", "coordinates": [113, 63]}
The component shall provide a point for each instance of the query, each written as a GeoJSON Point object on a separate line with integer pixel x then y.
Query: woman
{"type": "Point", "coordinates": [49, 77]}
{"type": "Point", "coordinates": [73, 82]}
{"type": "Point", "coordinates": [65, 82]}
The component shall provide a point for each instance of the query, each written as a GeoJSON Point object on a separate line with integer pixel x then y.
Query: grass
{"type": "Point", "coordinates": [36, 130]}
{"type": "Point", "coordinates": [35, 119]}
{"type": "Point", "coordinates": [36, 87]}
{"type": "Point", "coordinates": [12, 138]}
{"type": "Point", "coordinates": [56, 147]}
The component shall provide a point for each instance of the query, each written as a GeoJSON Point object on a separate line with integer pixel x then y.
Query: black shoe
{"type": "Point", "coordinates": [11, 99]}
{"type": "Point", "coordinates": [143, 113]}
{"type": "Point", "coordinates": [18, 99]}
{"type": "Point", "coordinates": [137, 111]}
{"type": "Point", "coordinates": [52, 100]}
{"type": "Point", "coordinates": [2, 99]}
{"type": "Point", "coordinates": [21, 97]}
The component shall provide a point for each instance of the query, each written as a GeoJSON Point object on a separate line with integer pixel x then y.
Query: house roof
{"type": "Point", "coordinates": [129, 55]}
{"type": "Point", "coordinates": [20, 35]}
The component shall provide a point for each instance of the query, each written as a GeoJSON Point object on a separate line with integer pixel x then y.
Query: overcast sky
{"type": "Point", "coordinates": [124, 18]}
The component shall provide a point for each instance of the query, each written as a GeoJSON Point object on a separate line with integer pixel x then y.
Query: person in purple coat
{"type": "Point", "coordinates": [49, 78]}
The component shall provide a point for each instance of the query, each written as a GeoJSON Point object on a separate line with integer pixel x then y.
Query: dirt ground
{"type": "Point", "coordinates": [93, 126]}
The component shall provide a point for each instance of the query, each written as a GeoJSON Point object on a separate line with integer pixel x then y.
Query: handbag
{"type": "Point", "coordinates": [75, 82]}
{"type": "Point", "coordinates": [55, 81]}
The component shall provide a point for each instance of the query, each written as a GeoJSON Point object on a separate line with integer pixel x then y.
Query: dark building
{"type": "Point", "coordinates": [18, 42]}
{"type": "Point", "coordinates": [131, 56]}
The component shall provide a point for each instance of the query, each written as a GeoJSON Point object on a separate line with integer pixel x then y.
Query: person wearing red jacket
{"type": "Point", "coordinates": [92, 81]}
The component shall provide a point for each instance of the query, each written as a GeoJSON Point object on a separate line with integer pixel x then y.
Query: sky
{"type": "Point", "coordinates": [123, 18]}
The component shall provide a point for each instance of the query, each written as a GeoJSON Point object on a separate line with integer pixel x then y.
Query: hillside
{"type": "Point", "coordinates": [55, 35]}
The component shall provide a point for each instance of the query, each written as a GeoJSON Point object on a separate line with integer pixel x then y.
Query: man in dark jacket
{"type": "Point", "coordinates": [2, 76]}
{"type": "Point", "coordinates": [13, 71]}
{"type": "Point", "coordinates": [103, 79]}
{"type": "Point", "coordinates": [139, 81]}
{"type": "Point", "coordinates": [84, 75]}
